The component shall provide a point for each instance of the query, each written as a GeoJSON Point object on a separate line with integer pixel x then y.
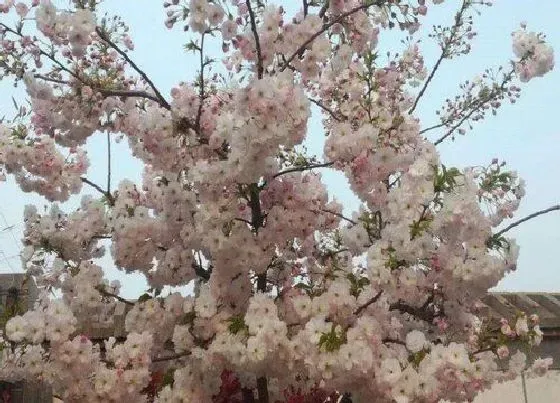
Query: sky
{"type": "Point", "coordinates": [525, 134]}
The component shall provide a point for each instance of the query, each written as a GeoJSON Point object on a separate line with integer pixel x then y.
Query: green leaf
{"type": "Point", "coordinates": [237, 324]}
{"type": "Point", "coordinates": [144, 297]}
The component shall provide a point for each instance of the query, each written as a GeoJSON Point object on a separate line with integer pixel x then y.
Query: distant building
{"type": "Point", "coordinates": [537, 390]}
{"type": "Point", "coordinates": [546, 305]}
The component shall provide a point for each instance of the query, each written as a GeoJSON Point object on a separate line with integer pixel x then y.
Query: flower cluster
{"type": "Point", "coordinates": [293, 299]}
{"type": "Point", "coordinates": [38, 166]}
{"type": "Point", "coordinates": [536, 57]}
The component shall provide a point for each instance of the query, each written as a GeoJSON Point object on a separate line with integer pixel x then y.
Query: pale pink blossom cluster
{"type": "Point", "coordinates": [536, 57]}
{"type": "Point", "coordinates": [39, 166]}
{"type": "Point", "coordinates": [293, 299]}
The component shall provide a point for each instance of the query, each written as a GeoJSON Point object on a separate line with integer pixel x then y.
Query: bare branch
{"type": "Point", "coordinates": [330, 111]}
{"type": "Point", "coordinates": [126, 94]}
{"type": "Point", "coordinates": [529, 217]}
{"type": "Point", "coordinates": [103, 91]}
{"type": "Point", "coordinates": [200, 271]}
{"type": "Point", "coordinates": [372, 300]}
{"type": "Point", "coordinates": [108, 162]}
{"type": "Point", "coordinates": [393, 341]}
{"type": "Point", "coordinates": [303, 168]}
{"type": "Point", "coordinates": [52, 80]}
{"type": "Point", "coordinates": [105, 293]}
{"type": "Point", "coordinates": [160, 99]}
{"type": "Point", "coordinates": [421, 313]}
{"type": "Point", "coordinates": [171, 357]}
{"type": "Point", "coordinates": [443, 55]}
{"type": "Point", "coordinates": [433, 127]}
{"type": "Point", "coordinates": [260, 69]}
{"type": "Point", "coordinates": [336, 214]}
{"type": "Point", "coordinates": [108, 195]}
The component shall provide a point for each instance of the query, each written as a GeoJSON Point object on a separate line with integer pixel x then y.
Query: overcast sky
{"type": "Point", "coordinates": [525, 134]}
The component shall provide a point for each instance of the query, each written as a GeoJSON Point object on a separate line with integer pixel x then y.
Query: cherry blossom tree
{"type": "Point", "coordinates": [293, 301]}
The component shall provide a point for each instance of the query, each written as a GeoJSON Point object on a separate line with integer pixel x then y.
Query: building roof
{"type": "Point", "coordinates": [507, 304]}
{"type": "Point", "coordinates": [496, 304]}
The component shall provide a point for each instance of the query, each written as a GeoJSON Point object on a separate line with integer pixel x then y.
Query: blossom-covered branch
{"type": "Point", "coordinates": [250, 263]}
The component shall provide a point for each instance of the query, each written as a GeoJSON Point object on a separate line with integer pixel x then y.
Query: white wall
{"type": "Point", "coordinates": [539, 390]}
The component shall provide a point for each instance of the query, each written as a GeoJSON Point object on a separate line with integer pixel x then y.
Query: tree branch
{"type": "Point", "coordinates": [260, 69]}
{"type": "Point", "coordinates": [529, 217]}
{"type": "Point", "coordinates": [105, 293]}
{"type": "Point", "coordinates": [103, 91]}
{"type": "Point", "coordinates": [326, 27]}
{"type": "Point", "coordinates": [434, 127]}
{"type": "Point", "coordinates": [444, 54]}
{"type": "Point", "coordinates": [372, 300]}
{"type": "Point", "coordinates": [336, 214]}
{"type": "Point", "coordinates": [257, 222]}
{"type": "Point", "coordinates": [126, 94]}
{"type": "Point", "coordinates": [107, 195]}
{"type": "Point", "coordinates": [171, 357]}
{"type": "Point", "coordinates": [328, 110]}
{"type": "Point", "coordinates": [303, 168]}
{"type": "Point", "coordinates": [200, 271]}
{"type": "Point", "coordinates": [393, 341]}
{"type": "Point", "coordinates": [262, 389]}
{"type": "Point", "coordinates": [476, 106]}
{"type": "Point", "coordinates": [108, 162]}
{"type": "Point", "coordinates": [160, 99]}
{"type": "Point", "coordinates": [417, 312]}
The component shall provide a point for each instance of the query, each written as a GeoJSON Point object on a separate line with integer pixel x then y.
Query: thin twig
{"type": "Point", "coordinates": [393, 341]}
{"type": "Point", "coordinates": [326, 27]}
{"type": "Point", "coordinates": [336, 214]}
{"type": "Point", "coordinates": [260, 68]}
{"type": "Point", "coordinates": [483, 350]}
{"type": "Point", "coordinates": [161, 100]}
{"type": "Point", "coordinates": [477, 105]}
{"type": "Point", "coordinates": [52, 80]}
{"type": "Point", "coordinates": [201, 272]}
{"type": "Point", "coordinates": [108, 162]}
{"type": "Point", "coordinates": [105, 293]}
{"type": "Point", "coordinates": [171, 357]}
{"type": "Point", "coordinates": [330, 111]}
{"type": "Point", "coordinates": [103, 91]}
{"type": "Point", "coordinates": [444, 53]}
{"type": "Point", "coordinates": [108, 195]}
{"type": "Point", "coordinates": [126, 94]}
{"type": "Point", "coordinates": [529, 217]}
{"type": "Point", "coordinates": [372, 300]}
{"type": "Point", "coordinates": [303, 168]}
{"type": "Point", "coordinates": [434, 127]}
